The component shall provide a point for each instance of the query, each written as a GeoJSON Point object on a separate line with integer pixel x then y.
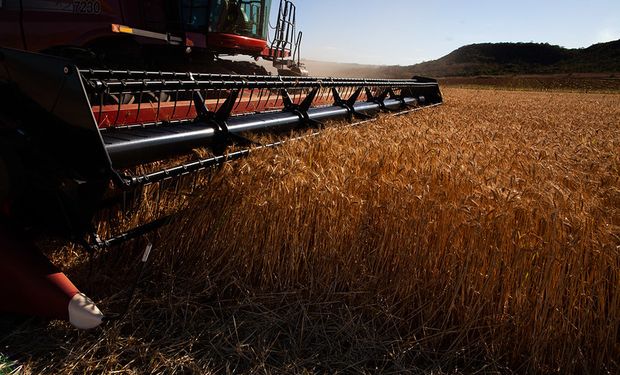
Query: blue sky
{"type": "Point", "coordinates": [406, 32]}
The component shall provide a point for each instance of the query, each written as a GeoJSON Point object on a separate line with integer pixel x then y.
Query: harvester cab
{"type": "Point", "coordinates": [242, 26]}
{"type": "Point", "coordinates": [77, 144]}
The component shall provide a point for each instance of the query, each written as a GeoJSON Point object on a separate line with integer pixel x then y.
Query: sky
{"type": "Point", "coordinates": [401, 32]}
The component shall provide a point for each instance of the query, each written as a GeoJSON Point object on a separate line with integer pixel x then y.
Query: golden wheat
{"type": "Point", "coordinates": [481, 235]}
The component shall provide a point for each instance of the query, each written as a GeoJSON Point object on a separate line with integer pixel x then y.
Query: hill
{"type": "Point", "coordinates": [494, 59]}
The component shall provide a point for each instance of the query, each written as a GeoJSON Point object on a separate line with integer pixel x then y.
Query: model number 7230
{"type": "Point", "coordinates": [87, 7]}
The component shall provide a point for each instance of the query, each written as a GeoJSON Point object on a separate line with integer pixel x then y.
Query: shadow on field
{"type": "Point", "coordinates": [220, 325]}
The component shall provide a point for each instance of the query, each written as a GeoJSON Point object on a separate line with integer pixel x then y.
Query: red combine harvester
{"type": "Point", "coordinates": [74, 127]}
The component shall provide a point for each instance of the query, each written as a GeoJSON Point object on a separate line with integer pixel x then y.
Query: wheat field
{"type": "Point", "coordinates": [479, 236]}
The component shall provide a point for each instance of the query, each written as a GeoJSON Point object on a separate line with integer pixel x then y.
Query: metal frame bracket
{"type": "Point", "coordinates": [349, 104]}
{"type": "Point", "coordinates": [302, 108]}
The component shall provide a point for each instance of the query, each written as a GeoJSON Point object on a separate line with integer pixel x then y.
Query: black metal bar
{"type": "Point", "coordinates": [136, 232]}
{"type": "Point", "coordinates": [117, 75]}
{"type": "Point", "coordinates": [114, 88]}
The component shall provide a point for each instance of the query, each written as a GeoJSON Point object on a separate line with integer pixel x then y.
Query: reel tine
{"type": "Point", "coordinates": [279, 97]}
{"type": "Point", "coordinates": [161, 189]}
{"type": "Point", "coordinates": [177, 184]}
{"type": "Point", "coordinates": [119, 99]}
{"type": "Point", "coordinates": [188, 184]}
{"type": "Point", "coordinates": [240, 98]}
{"type": "Point", "coordinates": [101, 96]}
{"type": "Point", "coordinates": [260, 98]}
{"type": "Point", "coordinates": [176, 100]}
{"type": "Point", "coordinates": [249, 101]}
{"type": "Point", "coordinates": [189, 107]}
{"type": "Point", "coordinates": [137, 194]}
{"type": "Point", "coordinates": [218, 95]}
{"type": "Point", "coordinates": [194, 182]}
{"type": "Point", "coordinates": [140, 98]}
{"type": "Point", "coordinates": [158, 99]}
{"type": "Point", "coordinates": [268, 97]}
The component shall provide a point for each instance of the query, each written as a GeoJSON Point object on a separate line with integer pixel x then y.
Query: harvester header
{"type": "Point", "coordinates": [72, 136]}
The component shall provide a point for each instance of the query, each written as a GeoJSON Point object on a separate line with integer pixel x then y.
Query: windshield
{"type": "Point", "coordinates": [242, 17]}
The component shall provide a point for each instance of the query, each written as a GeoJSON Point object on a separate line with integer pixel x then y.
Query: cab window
{"type": "Point", "coordinates": [242, 17]}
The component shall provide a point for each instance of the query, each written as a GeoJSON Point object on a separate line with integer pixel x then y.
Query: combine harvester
{"type": "Point", "coordinates": [70, 138]}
